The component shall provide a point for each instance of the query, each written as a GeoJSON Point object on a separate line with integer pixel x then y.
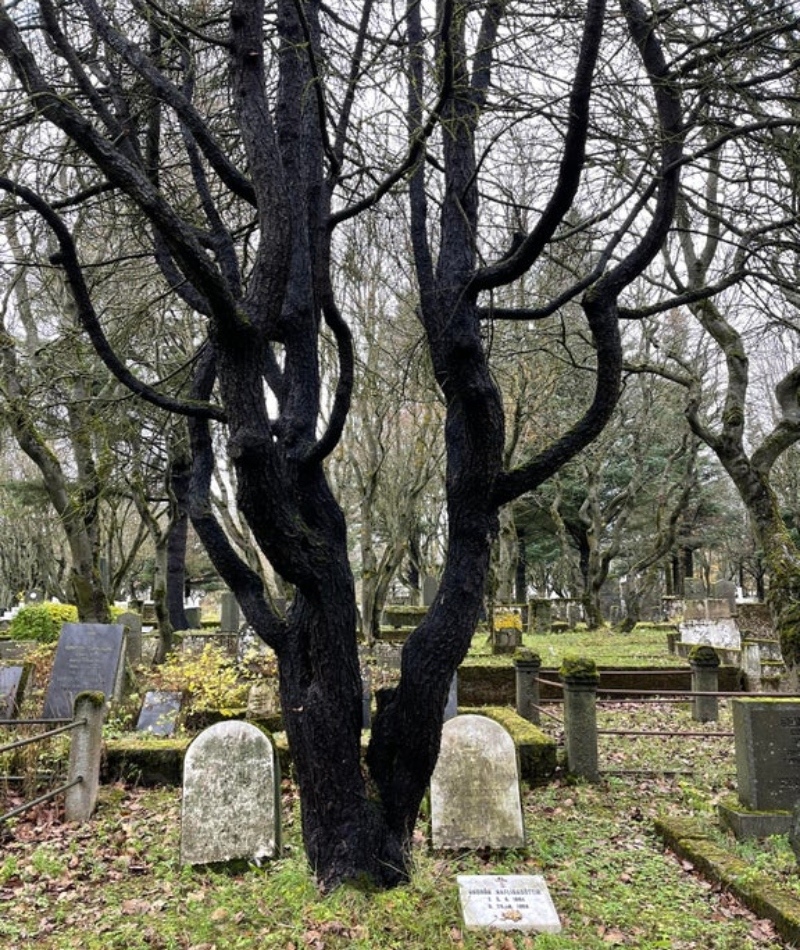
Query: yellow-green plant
{"type": "Point", "coordinates": [41, 622]}
{"type": "Point", "coordinates": [507, 620]}
{"type": "Point", "coordinates": [208, 678]}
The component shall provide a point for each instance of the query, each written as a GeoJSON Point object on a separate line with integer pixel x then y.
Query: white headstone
{"type": "Point", "coordinates": [231, 796]}
{"type": "Point", "coordinates": [475, 798]}
{"type": "Point", "coordinates": [515, 902]}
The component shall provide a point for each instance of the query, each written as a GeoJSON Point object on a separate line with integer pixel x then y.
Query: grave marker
{"type": "Point", "coordinates": [475, 799]}
{"type": "Point", "coordinates": [160, 711]}
{"type": "Point", "coordinates": [767, 739]}
{"type": "Point", "coordinates": [88, 659]}
{"type": "Point", "coordinates": [515, 902]}
{"type": "Point", "coordinates": [12, 684]}
{"type": "Point", "coordinates": [231, 796]}
{"type": "Point", "coordinates": [229, 613]}
{"type": "Point", "coordinates": [133, 640]}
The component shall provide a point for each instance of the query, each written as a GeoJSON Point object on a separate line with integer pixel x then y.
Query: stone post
{"type": "Point", "coordinates": [580, 678]}
{"type": "Point", "coordinates": [704, 662]}
{"type": "Point", "coordinates": [85, 749]}
{"type": "Point", "coordinates": [526, 666]}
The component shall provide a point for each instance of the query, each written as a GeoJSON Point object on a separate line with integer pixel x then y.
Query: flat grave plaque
{"type": "Point", "coordinates": [160, 711]}
{"type": "Point", "coordinates": [12, 683]}
{"type": "Point", "coordinates": [507, 902]}
{"type": "Point", "coordinates": [88, 657]}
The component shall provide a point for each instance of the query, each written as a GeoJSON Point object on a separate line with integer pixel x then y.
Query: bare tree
{"type": "Point", "coordinates": [234, 141]}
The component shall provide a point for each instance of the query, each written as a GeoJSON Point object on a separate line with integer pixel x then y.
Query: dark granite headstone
{"type": "Point", "coordinates": [88, 657]}
{"type": "Point", "coordinates": [229, 613]}
{"type": "Point", "coordinates": [767, 740]}
{"type": "Point", "coordinates": [12, 683]}
{"type": "Point", "coordinates": [193, 617]}
{"type": "Point", "coordinates": [160, 711]}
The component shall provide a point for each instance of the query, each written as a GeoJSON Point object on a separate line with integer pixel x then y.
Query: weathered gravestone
{"type": "Point", "coordinates": [767, 737]}
{"type": "Point", "coordinates": [231, 796]}
{"type": "Point", "coordinates": [133, 638]}
{"type": "Point", "coordinates": [726, 590]}
{"type": "Point", "coordinates": [89, 658]}
{"type": "Point", "coordinates": [475, 799]}
{"type": "Point", "coordinates": [194, 617]}
{"type": "Point", "coordinates": [514, 902]}
{"type": "Point", "coordinates": [12, 684]}
{"type": "Point", "coordinates": [767, 742]}
{"type": "Point", "coordinates": [160, 711]}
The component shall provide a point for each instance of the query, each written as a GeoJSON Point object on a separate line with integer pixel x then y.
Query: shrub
{"type": "Point", "coordinates": [209, 679]}
{"type": "Point", "coordinates": [41, 622]}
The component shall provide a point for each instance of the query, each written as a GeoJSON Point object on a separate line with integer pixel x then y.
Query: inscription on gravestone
{"type": "Point", "coordinates": [516, 902]}
{"type": "Point", "coordinates": [231, 796]}
{"type": "Point", "coordinates": [475, 800]}
{"type": "Point", "coordinates": [767, 741]}
{"type": "Point", "coordinates": [88, 657]}
{"type": "Point", "coordinates": [12, 683]}
{"type": "Point", "coordinates": [160, 711]}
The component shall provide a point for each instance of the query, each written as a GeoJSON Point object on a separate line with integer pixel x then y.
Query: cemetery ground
{"type": "Point", "coordinates": [116, 882]}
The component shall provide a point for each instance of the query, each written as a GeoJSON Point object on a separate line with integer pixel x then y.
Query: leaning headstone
{"type": "Point", "coordinates": [231, 796]}
{"type": "Point", "coordinates": [160, 711]}
{"type": "Point", "coordinates": [88, 658]}
{"type": "Point", "coordinates": [12, 684]}
{"type": "Point", "coordinates": [514, 902]}
{"type": "Point", "coordinates": [475, 799]}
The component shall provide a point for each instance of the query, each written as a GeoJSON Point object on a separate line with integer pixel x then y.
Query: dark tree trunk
{"type": "Point", "coordinates": [178, 533]}
{"type": "Point", "coordinates": [176, 572]}
{"type": "Point", "coordinates": [521, 579]}
{"type": "Point", "coordinates": [258, 265]}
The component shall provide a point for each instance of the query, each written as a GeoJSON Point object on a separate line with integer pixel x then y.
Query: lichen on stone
{"type": "Point", "coordinates": [578, 669]}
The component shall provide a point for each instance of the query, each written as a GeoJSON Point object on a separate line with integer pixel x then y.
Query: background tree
{"type": "Point", "coordinates": [733, 266]}
{"type": "Point", "coordinates": [236, 207]}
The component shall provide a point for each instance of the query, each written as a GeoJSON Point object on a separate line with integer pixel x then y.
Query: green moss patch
{"type": "Point", "coordinates": [536, 751]}
{"type": "Point", "coordinates": [756, 890]}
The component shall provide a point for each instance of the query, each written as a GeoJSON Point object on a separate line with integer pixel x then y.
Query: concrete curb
{"type": "Point", "coordinates": [755, 890]}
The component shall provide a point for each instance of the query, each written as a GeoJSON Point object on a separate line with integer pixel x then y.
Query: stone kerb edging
{"type": "Point", "coordinates": [758, 892]}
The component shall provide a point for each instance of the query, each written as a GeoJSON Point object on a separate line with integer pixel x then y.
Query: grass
{"type": "Point", "coordinates": [117, 884]}
{"type": "Point", "coordinates": [645, 645]}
